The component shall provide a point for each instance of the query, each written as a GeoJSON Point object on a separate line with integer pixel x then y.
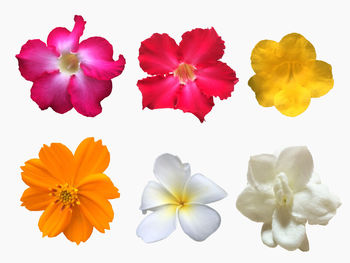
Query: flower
{"type": "Point", "coordinates": [284, 194]}
{"type": "Point", "coordinates": [288, 74]}
{"type": "Point", "coordinates": [66, 73]}
{"type": "Point", "coordinates": [185, 76]}
{"type": "Point", "coordinates": [71, 189]}
{"type": "Point", "coordinates": [178, 193]}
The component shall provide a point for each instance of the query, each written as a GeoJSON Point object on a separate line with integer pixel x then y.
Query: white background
{"type": "Point", "coordinates": [219, 148]}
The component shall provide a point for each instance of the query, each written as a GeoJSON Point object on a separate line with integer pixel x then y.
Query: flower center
{"type": "Point", "coordinates": [65, 194]}
{"type": "Point", "coordinates": [283, 193]}
{"type": "Point", "coordinates": [68, 63]}
{"type": "Point", "coordinates": [185, 72]}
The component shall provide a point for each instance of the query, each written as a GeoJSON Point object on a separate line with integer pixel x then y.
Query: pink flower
{"type": "Point", "coordinates": [66, 73]}
{"type": "Point", "coordinates": [185, 76]}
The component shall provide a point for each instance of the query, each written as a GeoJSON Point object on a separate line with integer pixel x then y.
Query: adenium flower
{"type": "Point", "coordinates": [288, 74]}
{"type": "Point", "coordinates": [66, 73]}
{"type": "Point", "coordinates": [71, 188]}
{"type": "Point", "coordinates": [185, 76]}
{"type": "Point", "coordinates": [285, 194]}
{"type": "Point", "coordinates": [178, 194]}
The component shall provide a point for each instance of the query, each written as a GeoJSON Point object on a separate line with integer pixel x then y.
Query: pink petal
{"type": "Point", "coordinates": [50, 90]}
{"type": "Point", "coordinates": [65, 41]}
{"type": "Point", "coordinates": [35, 59]}
{"type": "Point", "coordinates": [216, 79]}
{"type": "Point", "coordinates": [158, 54]}
{"type": "Point", "coordinates": [201, 46]}
{"type": "Point", "coordinates": [159, 91]}
{"type": "Point", "coordinates": [190, 99]}
{"type": "Point", "coordinates": [87, 93]}
{"type": "Point", "coordinates": [96, 59]}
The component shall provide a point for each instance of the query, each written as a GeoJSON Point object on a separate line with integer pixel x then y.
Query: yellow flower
{"type": "Point", "coordinates": [288, 74]}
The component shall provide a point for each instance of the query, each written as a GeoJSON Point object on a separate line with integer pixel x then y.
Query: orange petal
{"type": "Point", "coordinates": [99, 183]}
{"type": "Point", "coordinates": [91, 157]}
{"type": "Point", "coordinates": [79, 228]}
{"type": "Point", "coordinates": [36, 199]}
{"type": "Point", "coordinates": [54, 220]}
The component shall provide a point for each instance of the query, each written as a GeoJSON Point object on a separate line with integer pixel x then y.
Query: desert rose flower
{"type": "Point", "coordinates": [72, 189]}
{"type": "Point", "coordinates": [178, 194]}
{"type": "Point", "coordinates": [66, 73]}
{"type": "Point", "coordinates": [285, 194]}
{"type": "Point", "coordinates": [185, 76]}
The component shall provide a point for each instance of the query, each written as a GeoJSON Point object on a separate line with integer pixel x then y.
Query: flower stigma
{"type": "Point", "coordinates": [65, 194]}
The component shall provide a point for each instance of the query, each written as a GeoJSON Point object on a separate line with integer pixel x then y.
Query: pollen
{"type": "Point", "coordinates": [69, 63]}
{"type": "Point", "coordinates": [185, 72]}
{"type": "Point", "coordinates": [65, 194]}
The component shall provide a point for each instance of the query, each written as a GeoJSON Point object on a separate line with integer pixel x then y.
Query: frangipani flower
{"type": "Point", "coordinates": [66, 73]}
{"type": "Point", "coordinates": [185, 76]}
{"type": "Point", "coordinates": [178, 194]}
{"type": "Point", "coordinates": [288, 74]}
{"type": "Point", "coordinates": [71, 189]}
{"type": "Point", "coordinates": [284, 194]}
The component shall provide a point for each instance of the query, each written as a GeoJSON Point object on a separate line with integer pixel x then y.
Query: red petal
{"type": "Point", "coordinates": [36, 59]}
{"type": "Point", "coordinates": [201, 46]}
{"type": "Point", "coordinates": [96, 55]}
{"type": "Point", "coordinates": [159, 91]}
{"type": "Point", "coordinates": [216, 79]}
{"type": "Point", "coordinates": [87, 93]}
{"type": "Point", "coordinates": [50, 90]}
{"type": "Point", "coordinates": [158, 54]}
{"type": "Point", "coordinates": [190, 99]}
{"type": "Point", "coordinates": [65, 41]}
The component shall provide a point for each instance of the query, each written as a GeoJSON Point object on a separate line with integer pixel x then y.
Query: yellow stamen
{"type": "Point", "coordinates": [66, 194]}
{"type": "Point", "coordinates": [185, 72]}
{"type": "Point", "coordinates": [69, 63]}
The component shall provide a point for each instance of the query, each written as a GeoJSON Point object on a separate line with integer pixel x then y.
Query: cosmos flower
{"type": "Point", "coordinates": [178, 193]}
{"type": "Point", "coordinates": [72, 189]}
{"type": "Point", "coordinates": [285, 194]}
{"type": "Point", "coordinates": [185, 76]}
{"type": "Point", "coordinates": [288, 74]}
{"type": "Point", "coordinates": [66, 73]}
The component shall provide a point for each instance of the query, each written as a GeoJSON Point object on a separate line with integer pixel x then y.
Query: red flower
{"type": "Point", "coordinates": [185, 76]}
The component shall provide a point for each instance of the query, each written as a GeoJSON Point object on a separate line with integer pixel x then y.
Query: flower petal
{"type": "Point", "coordinates": [295, 47]}
{"type": "Point", "coordinates": [287, 232]}
{"type": "Point", "coordinates": [297, 163]}
{"type": "Point", "coordinates": [216, 79]}
{"type": "Point", "coordinates": [257, 206]}
{"type": "Point", "coordinates": [200, 189]}
{"type": "Point", "coordinates": [261, 171]}
{"type": "Point", "coordinates": [199, 221]}
{"type": "Point", "coordinates": [96, 59]}
{"type": "Point", "coordinates": [158, 225]}
{"type": "Point", "coordinates": [158, 54]}
{"type": "Point", "coordinates": [265, 89]}
{"type": "Point", "coordinates": [316, 204]}
{"type": "Point", "coordinates": [79, 228]}
{"type": "Point", "coordinates": [305, 245]}
{"type": "Point", "coordinates": [159, 91]}
{"type": "Point", "coordinates": [87, 93]}
{"type": "Point", "coordinates": [99, 183]}
{"type": "Point", "coordinates": [171, 173]}
{"type": "Point", "coordinates": [51, 90]}
{"type": "Point", "coordinates": [266, 235]}
{"type": "Point", "coordinates": [264, 56]}
{"type": "Point", "coordinates": [201, 46]}
{"type": "Point", "coordinates": [191, 99]}
{"type": "Point", "coordinates": [65, 41]}
{"type": "Point", "coordinates": [35, 199]}
{"type": "Point", "coordinates": [36, 59]}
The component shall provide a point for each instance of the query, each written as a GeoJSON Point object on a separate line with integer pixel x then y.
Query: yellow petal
{"type": "Point", "coordinates": [295, 47]}
{"type": "Point", "coordinates": [264, 89]}
{"type": "Point", "coordinates": [264, 56]}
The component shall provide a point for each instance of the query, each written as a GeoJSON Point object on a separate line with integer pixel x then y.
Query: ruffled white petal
{"type": "Point", "coordinates": [199, 189]}
{"type": "Point", "coordinates": [261, 171]}
{"type": "Point", "coordinates": [266, 235]}
{"type": "Point", "coordinates": [158, 225]}
{"type": "Point", "coordinates": [305, 244]}
{"type": "Point", "coordinates": [257, 206]}
{"type": "Point", "coordinates": [198, 221]}
{"type": "Point", "coordinates": [315, 204]}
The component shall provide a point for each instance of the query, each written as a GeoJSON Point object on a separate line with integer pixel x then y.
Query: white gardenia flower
{"type": "Point", "coordinates": [284, 194]}
{"type": "Point", "coordinates": [178, 194]}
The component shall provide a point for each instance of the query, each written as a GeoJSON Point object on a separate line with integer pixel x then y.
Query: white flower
{"type": "Point", "coordinates": [178, 193]}
{"type": "Point", "coordinates": [284, 194]}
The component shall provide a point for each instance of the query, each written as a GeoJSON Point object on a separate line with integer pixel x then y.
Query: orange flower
{"type": "Point", "coordinates": [72, 189]}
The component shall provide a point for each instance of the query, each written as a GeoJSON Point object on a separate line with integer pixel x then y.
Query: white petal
{"type": "Point", "coordinates": [266, 235]}
{"type": "Point", "coordinates": [172, 173]}
{"type": "Point", "coordinates": [315, 204]}
{"type": "Point", "coordinates": [297, 164]}
{"type": "Point", "coordinates": [287, 232]}
{"type": "Point", "coordinates": [158, 225]}
{"type": "Point", "coordinates": [261, 170]}
{"type": "Point", "coordinates": [305, 245]}
{"type": "Point", "coordinates": [199, 221]}
{"type": "Point", "coordinates": [200, 189]}
{"type": "Point", "coordinates": [257, 206]}
{"type": "Point", "coordinates": [155, 195]}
